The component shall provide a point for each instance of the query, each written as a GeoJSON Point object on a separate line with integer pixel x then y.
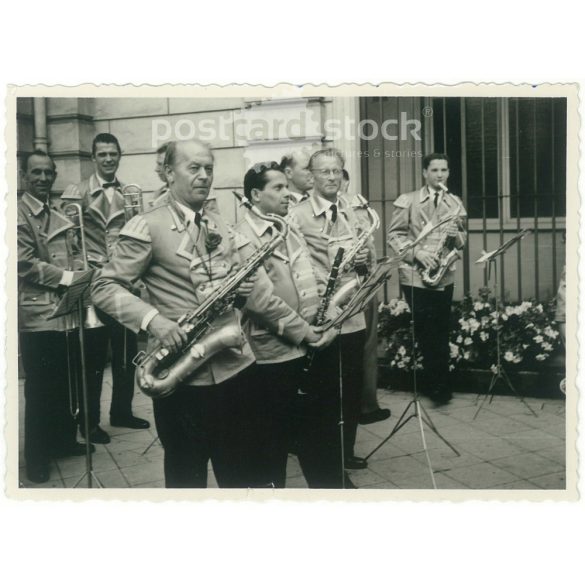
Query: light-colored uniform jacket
{"type": "Point", "coordinates": [103, 221]}
{"type": "Point", "coordinates": [42, 259]}
{"type": "Point", "coordinates": [312, 217]}
{"type": "Point", "coordinates": [357, 203]}
{"type": "Point", "coordinates": [161, 197]}
{"type": "Point", "coordinates": [412, 212]}
{"type": "Point", "coordinates": [291, 273]}
{"type": "Point", "coordinates": [179, 273]}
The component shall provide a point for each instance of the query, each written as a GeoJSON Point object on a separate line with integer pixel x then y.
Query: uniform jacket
{"type": "Point", "coordinates": [296, 198]}
{"type": "Point", "coordinates": [412, 212]}
{"type": "Point", "coordinates": [357, 203]}
{"type": "Point", "coordinates": [161, 197]}
{"type": "Point", "coordinates": [42, 259]}
{"type": "Point", "coordinates": [103, 221]}
{"type": "Point", "coordinates": [312, 218]}
{"type": "Point", "coordinates": [291, 273]}
{"type": "Point", "coordinates": [171, 259]}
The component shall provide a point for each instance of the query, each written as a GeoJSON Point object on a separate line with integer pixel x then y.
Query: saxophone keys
{"type": "Point", "coordinates": [162, 353]}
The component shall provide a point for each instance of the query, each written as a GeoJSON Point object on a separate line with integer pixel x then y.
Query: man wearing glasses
{"type": "Point", "coordinates": [328, 223]}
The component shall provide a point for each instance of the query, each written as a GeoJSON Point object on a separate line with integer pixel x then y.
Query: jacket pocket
{"type": "Point", "coordinates": [31, 298]}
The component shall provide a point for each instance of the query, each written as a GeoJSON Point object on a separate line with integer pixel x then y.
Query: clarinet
{"type": "Point", "coordinates": [321, 316]}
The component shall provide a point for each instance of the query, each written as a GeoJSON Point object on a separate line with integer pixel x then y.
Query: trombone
{"type": "Point", "coordinates": [75, 246]}
{"type": "Point", "coordinates": [133, 204]}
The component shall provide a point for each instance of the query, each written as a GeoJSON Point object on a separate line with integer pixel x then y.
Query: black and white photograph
{"type": "Point", "coordinates": [349, 288]}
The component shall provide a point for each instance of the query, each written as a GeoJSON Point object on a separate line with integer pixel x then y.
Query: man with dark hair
{"type": "Point", "coordinates": [430, 305]}
{"type": "Point", "coordinates": [295, 166]}
{"type": "Point", "coordinates": [45, 266]}
{"type": "Point", "coordinates": [183, 253]}
{"type": "Point", "coordinates": [103, 215]}
{"type": "Point", "coordinates": [327, 224]}
{"type": "Point", "coordinates": [280, 362]}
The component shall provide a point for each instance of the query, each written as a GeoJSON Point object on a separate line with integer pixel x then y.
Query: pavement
{"type": "Point", "coordinates": [505, 447]}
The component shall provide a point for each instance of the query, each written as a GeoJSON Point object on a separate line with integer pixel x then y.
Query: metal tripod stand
{"type": "Point", "coordinates": [499, 371]}
{"type": "Point", "coordinates": [415, 409]}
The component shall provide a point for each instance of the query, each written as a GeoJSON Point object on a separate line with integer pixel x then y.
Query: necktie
{"type": "Point", "coordinates": [437, 193]}
{"type": "Point", "coordinates": [114, 184]}
{"type": "Point", "coordinates": [47, 211]}
{"type": "Point", "coordinates": [333, 213]}
{"type": "Point", "coordinates": [198, 219]}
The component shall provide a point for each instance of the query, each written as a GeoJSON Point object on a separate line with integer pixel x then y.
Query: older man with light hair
{"type": "Point", "coordinates": [295, 166]}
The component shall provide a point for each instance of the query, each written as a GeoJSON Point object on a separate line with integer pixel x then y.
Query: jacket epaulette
{"type": "Point", "coordinates": [404, 201]}
{"type": "Point", "coordinates": [137, 229]}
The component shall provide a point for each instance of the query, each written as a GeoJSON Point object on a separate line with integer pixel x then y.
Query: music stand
{"type": "Point", "coordinates": [75, 300]}
{"type": "Point", "coordinates": [418, 410]}
{"type": "Point", "coordinates": [490, 259]}
{"type": "Point", "coordinates": [151, 444]}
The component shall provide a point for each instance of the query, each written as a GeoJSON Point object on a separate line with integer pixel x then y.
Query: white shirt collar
{"type": "Point", "coordinates": [258, 225]}
{"type": "Point", "coordinates": [320, 204]}
{"type": "Point", "coordinates": [110, 190]}
{"type": "Point", "coordinates": [188, 212]}
{"type": "Point", "coordinates": [426, 192]}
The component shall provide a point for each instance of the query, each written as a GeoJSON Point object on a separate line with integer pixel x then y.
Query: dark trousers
{"type": "Point", "coordinates": [122, 342]}
{"type": "Point", "coordinates": [274, 417]}
{"type": "Point", "coordinates": [432, 311]}
{"type": "Point", "coordinates": [196, 424]}
{"type": "Point", "coordinates": [96, 351]}
{"type": "Point", "coordinates": [49, 426]}
{"type": "Point", "coordinates": [319, 436]}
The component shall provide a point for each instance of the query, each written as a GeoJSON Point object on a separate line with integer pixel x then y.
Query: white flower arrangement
{"type": "Point", "coordinates": [528, 334]}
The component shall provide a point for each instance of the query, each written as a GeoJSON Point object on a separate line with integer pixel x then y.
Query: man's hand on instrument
{"type": "Point", "coordinates": [168, 333]}
{"type": "Point", "coordinates": [452, 230]}
{"type": "Point", "coordinates": [247, 286]}
{"type": "Point", "coordinates": [427, 259]}
{"type": "Point", "coordinates": [362, 256]}
{"type": "Point", "coordinates": [326, 338]}
{"type": "Point", "coordinates": [312, 335]}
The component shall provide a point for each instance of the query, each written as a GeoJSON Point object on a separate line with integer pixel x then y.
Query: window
{"type": "Point", "coordinates": [537, 157]}
{"type": "Point", "coordinates": [512, 153]}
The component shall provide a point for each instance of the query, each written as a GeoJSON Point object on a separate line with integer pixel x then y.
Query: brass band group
{"type": "Point", "coordinates": [240, 364]}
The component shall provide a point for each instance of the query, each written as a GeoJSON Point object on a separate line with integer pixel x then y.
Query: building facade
{"type": "Point", "coordinates": [508, 158]}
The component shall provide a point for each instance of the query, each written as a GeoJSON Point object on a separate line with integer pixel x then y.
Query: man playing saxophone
{"type": "Point", "coordinates": [183, 252]}
{"type": "Point", "coordinates": [427, 283]}
{"type": "Point", "coordinates": [280, 362]}
{"type": "Point", "coordinates": [327, 224]}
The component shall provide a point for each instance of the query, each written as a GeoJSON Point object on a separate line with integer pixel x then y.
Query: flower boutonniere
{"type": "Point", "coordinates": [212, 241]}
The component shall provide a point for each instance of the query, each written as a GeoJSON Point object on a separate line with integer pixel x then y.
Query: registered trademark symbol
{"type": "Point", "coordinates": [427, 111]}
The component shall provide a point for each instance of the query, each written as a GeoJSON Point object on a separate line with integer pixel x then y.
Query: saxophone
{"type": "Point", "coordinates": [159, 372]}
{"type": "Point", "coordinates": [446, 252]}
{"type": "Point", "coordinates": [363, 237]}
